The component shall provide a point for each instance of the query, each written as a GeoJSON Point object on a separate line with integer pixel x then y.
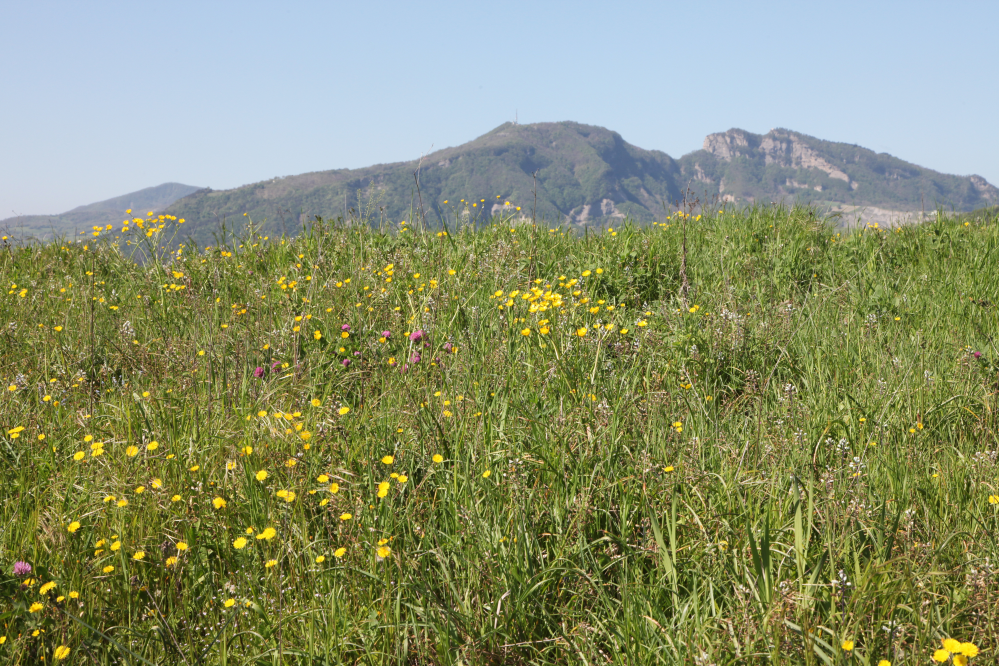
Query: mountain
{"type": "Point", "coordinates": [584, 173]}
{"type": "Point", "coordinates": [588, 175]}
{"type": "Point", "coordinates": [111, 211]}
{"type": "Point", "coordinates": [738, 166]}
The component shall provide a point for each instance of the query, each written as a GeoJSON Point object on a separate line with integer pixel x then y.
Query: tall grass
{"type": "Point", "coordinates": [547, 455]}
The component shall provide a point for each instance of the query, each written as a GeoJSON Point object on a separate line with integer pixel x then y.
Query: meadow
{"type": "Point", "coordinates": [736, 438]}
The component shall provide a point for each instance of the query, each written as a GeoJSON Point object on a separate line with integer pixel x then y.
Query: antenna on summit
{"type": "Point", "coordinates": [515, 117]}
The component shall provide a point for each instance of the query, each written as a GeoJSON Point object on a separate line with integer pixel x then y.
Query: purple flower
{"type": "Point", "coordinates": [258, 373]}
{"type": "Point", "coordinates": [414, 359]}
{"type": "Point", "coordinates": [346, 362]}
{"type": "Point", "coordinates": [357, 353]}
{"type": "Point", "coordinates": [386, 334]}
{"type": "Point", "coordinates": [345, 327]}
{"type": "Point", "coordinates": [978, 354]}
{"type": "Point", "coordinates": [416, 336]}
{"type": "Point", "coordinates": [21, 568]}
{"type": "Point", "coordinates": [448, 347]}
{"type": "Point", "coordinates": [275, 366]}
{"type": "Point", "coordinates": [404, 368]}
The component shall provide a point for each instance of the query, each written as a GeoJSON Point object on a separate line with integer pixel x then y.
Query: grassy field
{"type": "Point", "coordinates": [510, 445]}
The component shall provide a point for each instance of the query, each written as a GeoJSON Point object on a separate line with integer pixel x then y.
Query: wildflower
{"type": "Point", "coordinates": [218, 503]}
{"type": "Point", "coordinates": [387, 460]}
{"type": "Point", "coordinates": [108, 569]}
{"type": "Point", "coordinates": [339, 552]}
{"type": "Point", "coordinates": [268, 534]}
{"type": "Point", "coordinates": [345, 516]}
{"type": "Point", "coordinates": [258, 373]}
{"type": "Point", "coordinates": [152, 446]}
{"type": "Point", "coordinates": [122, 503]}
{"type": "Point", "coordinates": [581, 332]}
{"type": "Point", "coordinates": [993, 499]}
{"type": "Point", "coordinates": [139, 555]}
{"type": "Point", "coordinates": [73, 526]}
{"type": "Point", "coordinates": [384, 552]}
{"type": "Point", "coordinates": [847, 646]}
{"type": "Point", "coordinates": [229, 603]}
{"type": "Point", "coordinates": [316, 402]}
{"type": "Point", "coordinates": [941, 656]}
{"type": "Point", "coordinates": [438, 458]}
{"type": "Point", "coordinates": [140, 490]}
{"type": "Point", "coordinates": [320, 559]}
{"type": "Point", "coordinates": [322, 478]}
{"type": "Point", "coordinates": [35, 607]}
{"type": "Point", "coordinates": [526, 332]}
{"type": "Point", "coordinates": [402, 478]}
{"type": "Point", "coordinates": [317, 335]}
{"type": "Point", "coordinates": [47, 587]}
{"type": "Point", "coordinates": [79, 455]}
{"type": "Point", "coordinates": [175, 498]}
{"type": "Point", "coordinates": [156, 484]}
{"type": "Point", "coordinates": [270, 564]}
{"type": "Point", "coordinates": [181, 546]}
{"type": "Point", "coordinates": [61, 652]}
{"type": "Point", "coordinates": [485, 475]}
{"type": "Point", "coordinates": [194, 468]}
{"type": "Point", "coordinates": [968, 649]}
{"type": "Point", "coordinates": [417, 336]}
{"type": "Point", "coordinates": [334, 488]}
{"type": "Point", "coordinates": [116, 546]}
{"type": "Point", "coordinates": [170, 561]}
{"type": "Point", "coordinates": [21, 568]}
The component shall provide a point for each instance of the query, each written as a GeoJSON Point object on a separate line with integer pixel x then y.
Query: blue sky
{"type": "Point", "coordinates": [101, 98]}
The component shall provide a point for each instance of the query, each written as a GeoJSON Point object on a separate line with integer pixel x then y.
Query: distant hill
{"type": "Point", "coordinates": [584, 174]}
{"type": "Point", "coordinates": [738, 166]}
{"type": "Point", "coordinates": [111, 211]}
{"type": "Point", "coordinates": [588, 175]}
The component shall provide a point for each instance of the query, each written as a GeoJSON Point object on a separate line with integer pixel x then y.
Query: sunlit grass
{"type": "Point", "coordinates": [505, 445]}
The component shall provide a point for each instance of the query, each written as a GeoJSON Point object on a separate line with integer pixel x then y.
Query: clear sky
{"type": "Point", "coordinates": [98, 99]}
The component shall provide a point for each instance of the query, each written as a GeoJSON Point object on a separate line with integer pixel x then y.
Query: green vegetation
{"type": "Point", "coordinates": [730, 439]}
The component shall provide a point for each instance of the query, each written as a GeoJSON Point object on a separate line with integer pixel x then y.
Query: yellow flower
{"type": "Point", "coordinates": [156, 484]}
{"type": "Point", "coordinates": [847, 646]}
{"type": "Point", "coordinates": [261, 413]}
{"type": "Point", "coordinates": [951, 645]}
{"type": "Point", "coordinates": [122, 503]}
{"type": "Point", "coordinates": [268, 534]}
{"type": "Point", "coordinates": [152, 446]}
{"type": "Point", "coordinates": [343, 410]}
{"type": "Point", "coordinates": [194, 468]}
{"type": "Point", "coordinates": [402, 478]}
{"type": "Point", "coordinates": [317, 335]}
{"type": "Point", "coordinates": [968, 649]}
{"type": "Point", "coordinates": [526, 332]}
{"type": "Point", "coordinates": [960, 660]}
{"type": "Point", "coordinates": [74, 595]}
{"type": "Point", "coordinates": [339, 552]}
{"type": "Point", "coordinates": [941, 656]}
{"type": "Point", "coordinates": [387, 460]}
{"type": "Point", "coordinates": [46, 588]}
{"type": "Point", "coordinates": [320, 559]}
{"type": "Point", "coordinates": [61, 652]}
{"type": "Point", "coordinates": [175, 498]}
{"type": "Point", "coordinates": [270, 564]}
{"type": "Point", "coordinates": [140, 490]}
{"type": "Point", "coordinates": [239, 543]}
{"type": "Point", "coordinates": [345, 516]}
{"type": "Point", "coordinates": [35, 607]}
{"type": "Point", "coordinates": [334, 488]}
{"type": "Point", "coordinates": [262, 475]}
{"type": "Point", "coordinates": [170, 561]}
{"type": "Point", "coordinates": [73, 526]}
{"type": "Point", "coordinates": [116, 546]}
{"type": "Point", "coordinates": [108, 569]}
{"type": "Point", "coordinates": [138, 555]}
{"type": "Point", "coordinates": [993, 499]}
{"type": "Point", "coordinates": [485, 475]}
{"type": "Point", "coordinates": [438, 458]}
{"type": "Point", "coordinates": [322, 478]}
{"type": "Point", "coordinates": [218, 503]}
{"type": "Point", "coordinates": [181, 546]}
{"type": "Point", "coordinates": [316, 402]}
{"type": "Point", "coordinates": [80, 455]}
{"type": "Point", "coordinates": [229, 603]}
{"type": "Point", "coordinates": [581, 332]}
